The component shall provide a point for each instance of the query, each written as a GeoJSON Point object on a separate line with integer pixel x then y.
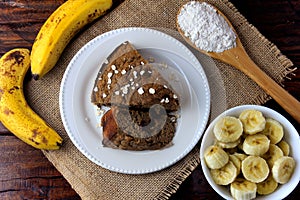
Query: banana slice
{"type": "Point", "coordinates": [256, 145]}
{"type": "Point", "coordinates": [273, 130]}
{"type": "Point", "coordinates": [242, 189]}
{"type": "Point", "coordinates": [228, 145]}
{"type": "Point", "coordinates": [285, 147]}
{"type": "Point", "coordinates": [228, 129]}
{"type": "Point", "coordinates": [215, 157]}
{"type": "Point", "coordinates": [241, 156]}
{"type": "Point", "coordinates": [253, 121]}
{"type": "Point", "coordinates": [273, 154]}
{"type": "Point", "coordinates": [255, 169]}
{"type": "Point", "coordinates": [283, 169]}
{"type": "Point", "coordinates": [224, 175]}
{"type": "Point", "coordinates": [236, 161]}
{"type": "Point", "coordinates": [267, 186]}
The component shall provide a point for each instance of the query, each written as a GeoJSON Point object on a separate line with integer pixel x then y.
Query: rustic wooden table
{"type": "Point", "coordinates": [24, 171]}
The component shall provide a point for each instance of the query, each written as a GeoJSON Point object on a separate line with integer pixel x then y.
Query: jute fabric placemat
{"type": "Point", "coordinates": [93, 182]}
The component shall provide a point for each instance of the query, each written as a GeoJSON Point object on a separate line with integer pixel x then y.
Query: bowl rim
{"type": "Point", "coordinates": [283, 190]}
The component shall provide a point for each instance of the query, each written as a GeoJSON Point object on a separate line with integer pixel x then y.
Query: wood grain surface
{"type": "Point", "coordinates": [24, 171]}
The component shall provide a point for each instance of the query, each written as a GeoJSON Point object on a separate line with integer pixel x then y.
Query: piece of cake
{"type": "Point", "coordinates": [141, 102]}
{"type": "Point", "coordinates": [126, 79]}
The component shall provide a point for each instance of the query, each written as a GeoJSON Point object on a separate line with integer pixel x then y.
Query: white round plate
{"type": "Point", "coordinates": [78, 113]}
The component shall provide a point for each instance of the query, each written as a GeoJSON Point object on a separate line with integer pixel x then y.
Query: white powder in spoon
{"type": "Point", "coordinates": [209, 31]}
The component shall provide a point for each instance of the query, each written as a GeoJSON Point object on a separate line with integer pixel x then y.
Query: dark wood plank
{"type": "Point", "coordinates": [20, 22]}
{"type": "Point", "coordinates": [24, 171]}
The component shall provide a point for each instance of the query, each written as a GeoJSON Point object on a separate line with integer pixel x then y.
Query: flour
{"type": "Point", "coordinates": [209, 31]}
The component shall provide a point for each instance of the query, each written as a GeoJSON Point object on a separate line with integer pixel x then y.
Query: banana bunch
{"type": "Point", "coordinates": [60, 28]}
{"type": "Point", "coordinates": [249, 154]}
{"type": "Point", "coordinates": [15, 113]}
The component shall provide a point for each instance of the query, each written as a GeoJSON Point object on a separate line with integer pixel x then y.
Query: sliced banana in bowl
{"type": "Point", "coordinates": [264, 155]}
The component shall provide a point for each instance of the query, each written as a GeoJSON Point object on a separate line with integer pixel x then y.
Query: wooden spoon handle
{"type": "Point", "coordinates": [281, 96]}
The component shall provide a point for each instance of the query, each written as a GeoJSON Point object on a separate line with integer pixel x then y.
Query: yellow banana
{"type": "Point", "coordinates": [59, 29]}
{"type": "Point", "coordinates": [15, 113]}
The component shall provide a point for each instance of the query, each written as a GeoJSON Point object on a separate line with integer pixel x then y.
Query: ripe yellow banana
{"type": "Point", "coordinates": [59, 29]}
{"type": "Point", "coordinates": [15, 113]}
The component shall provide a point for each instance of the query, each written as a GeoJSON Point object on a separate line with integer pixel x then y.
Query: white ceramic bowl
{"type": "Point", "coordinates": [290, 135]}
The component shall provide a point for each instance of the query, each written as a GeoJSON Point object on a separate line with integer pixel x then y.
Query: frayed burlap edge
{"type": "Point", "coordinates": [173, 186]}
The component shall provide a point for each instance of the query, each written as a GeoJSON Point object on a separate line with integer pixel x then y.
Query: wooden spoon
{"type": "Point", "coordinates": [239, 58]}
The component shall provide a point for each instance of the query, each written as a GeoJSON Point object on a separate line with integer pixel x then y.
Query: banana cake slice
{"type": "Point", "coordinates": [142, 103]}
{"type": "Point", "coordinates": [127, 79]}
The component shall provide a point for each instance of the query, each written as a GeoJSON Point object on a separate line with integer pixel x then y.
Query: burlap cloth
{"type": "Point", "coordinates": [93, 182]}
